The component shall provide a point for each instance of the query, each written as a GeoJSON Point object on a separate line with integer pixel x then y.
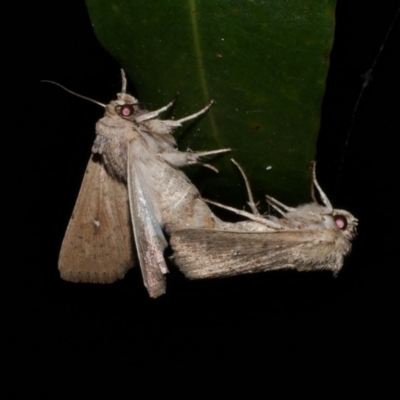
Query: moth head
{"type": "Point", "coordinates": [317, 216]}
{"type": "Point", "coordinates": [346, 222]}
{"type": "Point", "coordinates": [341, 219]}
{"type": "Point", "coordinates": [125, 106]}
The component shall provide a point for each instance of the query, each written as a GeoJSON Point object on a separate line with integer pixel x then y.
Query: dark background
{"type": "Point", "coordinates": [205, 330]}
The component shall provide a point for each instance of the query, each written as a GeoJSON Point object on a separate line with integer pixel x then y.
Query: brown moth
{"type": "Point", "coordinates": [131, 191]}
{"type": "Point", "coordinates": [306, 238]}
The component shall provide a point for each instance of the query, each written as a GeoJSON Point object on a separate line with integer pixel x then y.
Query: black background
{"type": "Point", "coordinates": [199, 332]}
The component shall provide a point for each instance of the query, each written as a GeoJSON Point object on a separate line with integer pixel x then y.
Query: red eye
{"type": "Point", "coordinates": [341, 222]}
{"type": "Point", "coordinates": [126, 110]}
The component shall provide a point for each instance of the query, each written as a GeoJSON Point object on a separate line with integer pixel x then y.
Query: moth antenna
{"type": "Point", "coordinates": [76, 94]}
{"type": "Point", "coordinates": [123, 89]}
{"type": "Point", "coordinates": [323, 196]}
{"type": "Point", "coordinates": [251, 203]}
{"type": "Point", "coordinates": [314, 198]}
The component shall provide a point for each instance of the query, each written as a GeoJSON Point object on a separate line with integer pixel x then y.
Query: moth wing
{"type": "Point", "coordinates": [205, 253]}
{"type": "Point", "coordinates": [97, 245]}
{"type": "Point", "coordinates": [148, 234]}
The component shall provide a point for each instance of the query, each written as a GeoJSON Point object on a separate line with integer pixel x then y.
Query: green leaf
{"type": "Point", "coordinates": [263, 62]}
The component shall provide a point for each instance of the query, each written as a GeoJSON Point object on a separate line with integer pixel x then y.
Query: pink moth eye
{"type": "Point", "coordinates": [126, 110]}
{"type": "Point", "coordinates": [341, 222]}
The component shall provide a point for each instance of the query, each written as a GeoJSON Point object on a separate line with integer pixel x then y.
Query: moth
{"type": "Point", "coordinates": [132, 190]}
{"type": "Point", "coordinates": [306, 238]}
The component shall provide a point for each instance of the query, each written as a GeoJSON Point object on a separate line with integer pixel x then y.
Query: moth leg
{"type": "Point", "coordinates": [246, 214]}
{"type": "Point", "coordinates": [278, 206]}
{"type": "Point", "coordinates": [181, 159]}
{"type": "Point", "coordinates": [193, 158]}
{"type": "Point", "coordinates": [172, 123]}
{"type": "Point", "coordinates": [195, 115]}
{"type": "Point", "coordinates": [209, 166]}
{"type": "Point", "coordinates": [198, 154]}
{"type": "Point", "coordinates": [156, 113]}
{"type": "Point", "coordinates": [251, 203]}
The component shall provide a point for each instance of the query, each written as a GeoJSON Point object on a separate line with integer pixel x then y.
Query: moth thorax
{"type": "Point", "coordinates": [115, 159]}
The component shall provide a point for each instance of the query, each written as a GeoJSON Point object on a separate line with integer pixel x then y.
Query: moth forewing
{"type": "Point", "coordinates": [97, 246]}
{"type": "Point", "coordinates": [149, 238]}
{"type": "Point", "coordinates": [216, 253]}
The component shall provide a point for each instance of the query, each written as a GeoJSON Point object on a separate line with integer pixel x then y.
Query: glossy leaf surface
{"type": "Point", "coordinates": [263, 62]}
